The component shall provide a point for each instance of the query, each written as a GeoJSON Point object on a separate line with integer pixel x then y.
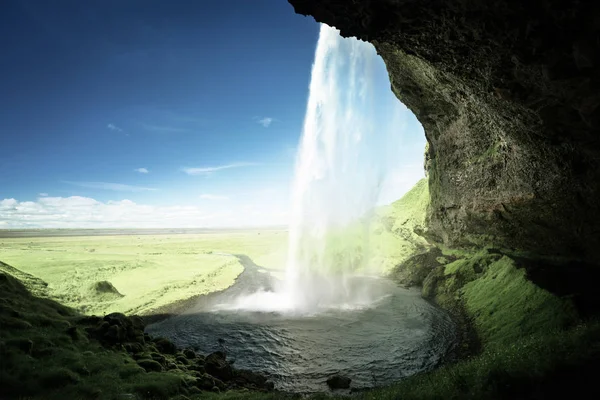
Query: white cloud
{"type": "Point", "coordinates": [208, 196]}
{"type": "Point", "coordinates": [113, 127]}
{"type": "Point", "coordinates": [266, 121]}
{"type": "Point", "coordinates": [142, 170]}
{"type": "Point", "coordinates": [116, 187]}
{"type": "Point", "coordinates": [43, 194]}
{"type": "Point", "coordinates": [85, 212]}
{"type": "Point", "coordinates": [210, 170]}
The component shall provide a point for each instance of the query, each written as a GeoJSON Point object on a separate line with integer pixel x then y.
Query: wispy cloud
{"type": "Point", "coordinates": [115, 187]}
{"type": "Point", "coordinates": [210, 170]}
{"type": "Point", "coordinates": [208, 196]}
{"type": "Point", "coordinates": [142, 170]}
{"type": "Point", "coordinates": [43, 194]}
{"type": "Point", "coordinates": [85, 212]}
{"type": "Point", "coordinates": [265, 121]}
{"type": "Point", "coordinates": [164, 128]}
{"type": "Point", "coordinates": [113, 127]}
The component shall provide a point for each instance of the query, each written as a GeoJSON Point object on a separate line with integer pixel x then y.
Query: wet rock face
{"type": "Point", "coordinates": [509, 95]}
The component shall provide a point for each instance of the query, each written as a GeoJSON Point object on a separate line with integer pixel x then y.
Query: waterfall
{"type": "Point", "coordinates": [340, 166]}
{"type": "Point", "coordinates": [347, 147]}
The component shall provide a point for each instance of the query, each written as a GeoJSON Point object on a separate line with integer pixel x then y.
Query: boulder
{"type": "Point", "coordinates": [217, 366]}
{"type": "Point", "coordinates": [338, 382]}
{"type": "Point", "coordinates": [150, 365]}
{"type": "Point", "coordinates": [133, 348]}
{"type": "Point", "coordinates": [189, 354]}
{"type": "Point", "coordinates": [165, 345]}
{"type": "Point", "coordinates": [247, 378]}
{"type": "Point", "coordinates": [205, 382]}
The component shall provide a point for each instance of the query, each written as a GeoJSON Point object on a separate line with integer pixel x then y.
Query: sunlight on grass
{"type": "Point", "coordinates": [146, 271]}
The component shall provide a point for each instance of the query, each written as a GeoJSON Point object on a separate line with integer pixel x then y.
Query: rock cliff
{"type": "Point", "coordinates": [509, 95]}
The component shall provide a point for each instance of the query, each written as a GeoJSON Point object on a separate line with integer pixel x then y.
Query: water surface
{"type": "Point", "coordinates": [397, 335]}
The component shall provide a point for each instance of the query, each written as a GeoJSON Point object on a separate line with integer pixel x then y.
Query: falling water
{"type": "Point", "coordinates": [346, 148]}
{"type": "Point", "coordinates": [341, 164]}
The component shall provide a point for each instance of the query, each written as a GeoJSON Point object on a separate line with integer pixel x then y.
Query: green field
{"type": "Point", "coordinates": [147, 271]}
{"type": "Point", "coordinates": [142, 274]}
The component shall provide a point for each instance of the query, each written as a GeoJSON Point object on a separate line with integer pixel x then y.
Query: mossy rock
{"type": "Point", "coordinates": [105, 291]}
{"type": "Point", "coordinates": [150, 365]}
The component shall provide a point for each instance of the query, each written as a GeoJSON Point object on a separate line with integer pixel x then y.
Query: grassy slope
{"type": "Point", "coordinates": [149, 271]}
{"type": "Point", "coordinates": [393, 233]}
{"type": "Point", "coordinates": [46, 354]}
{"type": "Point", "coordinates": [533, 345]}
{"type": "Point", "coordinates": [383, 241]}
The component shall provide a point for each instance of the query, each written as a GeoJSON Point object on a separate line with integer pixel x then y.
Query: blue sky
{"type": "Point", "coordinates": [176, 113]}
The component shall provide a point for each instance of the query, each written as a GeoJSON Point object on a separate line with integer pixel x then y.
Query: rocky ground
{"type": "Point", "coordinates": [51, 351]}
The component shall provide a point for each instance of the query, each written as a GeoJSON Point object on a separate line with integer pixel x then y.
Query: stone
{"type": "Point", "coordinates": [165, 345]}
{"type": "Point", "coordinates": [245, 378]}
{"type": "Point", "coordinates": [205, 382]}
{"type": "Point", "coordinates": [182, 360]}
{"type": "Point", "coordinates": [133, 348]}
{"type": "Point", "coordinates": [519, 166]}
{"type": "Point", "coordinates": [217, 366]}
{"type": "Point", "coordinates": [189, 354]}
{"type": "Point", "coordinates": [338, 382]}
{"type": "Point", "coordinates": [118, 319]}
{"type": "Point", "coordinates": [150, 365]}
{"type": "Point", "coordinates": [159, 358]}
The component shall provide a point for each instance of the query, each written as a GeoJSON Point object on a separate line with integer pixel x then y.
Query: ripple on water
{"type": "Point", "coordinates": [402, 334]}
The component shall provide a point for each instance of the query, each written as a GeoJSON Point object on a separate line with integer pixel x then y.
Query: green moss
{"type": "Point", "coordinates": [442, 260]}
{"type": "Point", "coordinates": [525, 368]}
{"type": "Point", "coordinates": [506, 305]}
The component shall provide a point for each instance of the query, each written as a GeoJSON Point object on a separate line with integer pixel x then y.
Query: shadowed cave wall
{"type": "Point", "coordinates": [509, 95]}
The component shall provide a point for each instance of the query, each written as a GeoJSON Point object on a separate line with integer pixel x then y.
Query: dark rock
{"type": "Point", "coordinates": [159, 358]}
{"type": "Point", "coordinates": [105, 288]}
{"type": "Point", "coordinates": [197, 367]}
{"type": "Point", "coordinates": [138, 323]}
{"type": "Point", "coordinates": [338, 382]}
{"type": "Point", "coordinates": [115, 334]}
{"type": "Point", "coordinates": [171, 366]}
{"type": "Point", "coordinates": [246, 378]}
{"type": "Point", "coordinates": [150, 365]}
{"type": "Point", "coordinates": [133, 348]}
{"type": "Point", "coordinates": [205, 382]}
{"type": "Point", "coordinates": [182, 360]}
{"type": "Point", "coordinates": [118, 319]}
{"type": "Point", "coordinates": [505, 91]}
{"type": "Point", "coordinates": [165, 345]}
{"type": "Point", "coordinates": [217, 366]}
{"type": "Point", "coordinates": [89, 320]}
{"type": "Point", "coordinates": [189, 354]}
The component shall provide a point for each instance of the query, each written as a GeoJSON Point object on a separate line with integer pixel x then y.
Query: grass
{"type": "Point", "coordinates": [147, 272]}
{"type": "Point", "coordinates": [549, 364]}
{"type": "Point", "coordinates": [41, 361]}
{"type": "Point", "coordinates": [506, 305]}
{"type": "Point", "coordinates": [388, 238]}
{"type": "Point", "coordinates": [533, 343]}
{"type": "Point", "coordinates": [51, 357]}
